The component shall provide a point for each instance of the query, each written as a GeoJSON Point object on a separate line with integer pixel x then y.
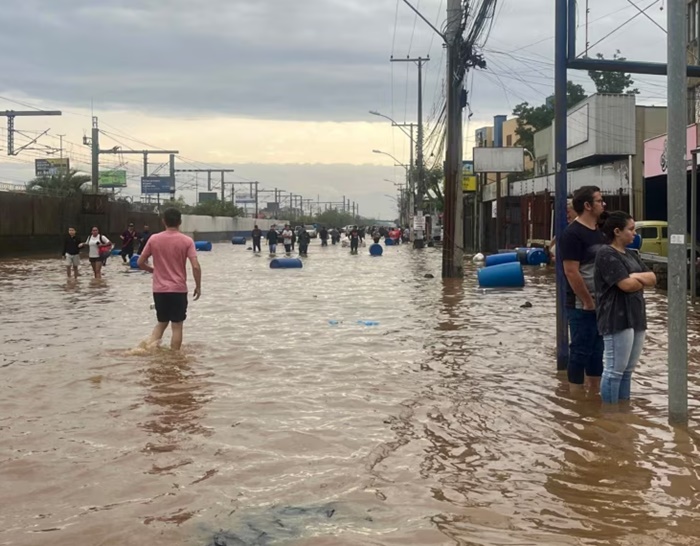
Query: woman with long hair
{"type": "Point", "coordinates": [99, 246]}
{"type": "Point", "coordinates": [620, 280]}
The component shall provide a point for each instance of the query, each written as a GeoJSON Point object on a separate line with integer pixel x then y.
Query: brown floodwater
{"type": "Point", "coordinates": [444, 424]}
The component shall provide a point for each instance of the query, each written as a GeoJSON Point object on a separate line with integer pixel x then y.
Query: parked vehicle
{"type": "Point", "coordinates": [654, 234]}
{"type": "Point", "coordinates": [312, 231]}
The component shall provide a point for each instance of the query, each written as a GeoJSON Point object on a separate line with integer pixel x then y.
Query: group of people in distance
{"type": "Point", "coordinates": [605, 297]}
{"type": "Point", "coordinates": [170, 251]}
{"type": "Point", "coordinates": [100, 248]}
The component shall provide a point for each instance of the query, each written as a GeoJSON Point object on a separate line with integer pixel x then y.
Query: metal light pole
{"type": "Point", "coordinates": [411, 175]}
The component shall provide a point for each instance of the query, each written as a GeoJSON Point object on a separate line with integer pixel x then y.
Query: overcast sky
{"type": "Point", "coordinates": [257, 85]}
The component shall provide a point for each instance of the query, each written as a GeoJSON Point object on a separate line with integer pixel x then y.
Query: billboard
{"type": "Point", "coordinates": [205, 196]}
{"type": "Point", "coordinates": [655, 162]}
{"type": "Point", "coordinates": [499, 160]}
{"type": "Point", "coordinates": [157, 184]}
{"type": "Point", "coordinates": [51, 166]}
{"type": "Point", "coordinates": [468, 178]}
{"type": "Point", "coordinates": [245, 199]}
{"type": "Point", "coordinates": [112, 179]}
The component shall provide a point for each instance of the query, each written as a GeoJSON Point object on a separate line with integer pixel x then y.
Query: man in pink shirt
{"type": "Point", "coordinates": [171, 250]}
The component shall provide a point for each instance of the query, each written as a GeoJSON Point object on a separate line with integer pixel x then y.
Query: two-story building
{"type": "Point", "coordinates": [605, 148]}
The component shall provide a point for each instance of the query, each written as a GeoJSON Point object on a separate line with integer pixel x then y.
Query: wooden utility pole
{"type": "Point", "coordinates": [453, 216]}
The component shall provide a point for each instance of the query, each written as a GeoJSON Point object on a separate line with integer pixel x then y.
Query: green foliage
{"type": "Point", "coordinates": [335, 218]}
{"type": "Point", "coordinates": [535, 118]}
{"type": "Point", "coordinates": [64, 185]}
{"type": "Point", "coordinates": [613, 82]}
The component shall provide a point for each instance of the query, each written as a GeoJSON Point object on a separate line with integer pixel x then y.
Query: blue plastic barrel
{"type": "Point", "coordinates": [237, 240]}
{"type": "Point", "coordinates": [133, 261]}
{"type": "Point", "coordinates": [522, 255]}
{"type": "Point", "coordinates": [203, 245]}
{"type": "Point", "coordinates": [506, 257]}
{"type": "Point", "coordinates": [508, 275]}
{"type": "Point", "coordinates": [537, 256]}
{"type": "Point", "coordinates": [637, 243]}
{"type": "Point", "coordinates": [115, 252]}
{"type": "Point", "coordinates": [388, 241]}
{"type": "Point", "coordinates": [286, 263]}
{"type": "Point", "coordinates": [375, 249]}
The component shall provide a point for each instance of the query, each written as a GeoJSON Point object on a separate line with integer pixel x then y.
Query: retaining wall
{"type": "Point", "coordinates": [36, 224]}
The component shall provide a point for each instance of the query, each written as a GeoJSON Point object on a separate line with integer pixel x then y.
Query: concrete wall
{"type": "Point", "coordinates": [218, 228]}
{"type": "Point", "coordinates": [36, 224]}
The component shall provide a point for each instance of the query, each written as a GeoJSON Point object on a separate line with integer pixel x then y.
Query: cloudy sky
{"type": "Point", "coordinates": [277, 90]}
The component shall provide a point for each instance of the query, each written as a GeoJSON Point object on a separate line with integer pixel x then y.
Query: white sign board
{"type": "Point", "coordinates": [577, 127]}
{"type": "Point", "coordinates": [489, 192]}
{"type": "Point", "coordinates": [419, 223]}
{"type": "Point", "coordinates": [494, 209]}
{"type": "Point", "coordinates": [499, 160]}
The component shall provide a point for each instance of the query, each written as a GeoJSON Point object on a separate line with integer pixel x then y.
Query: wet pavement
{"type": "Point", "coordinates": [285, 421]}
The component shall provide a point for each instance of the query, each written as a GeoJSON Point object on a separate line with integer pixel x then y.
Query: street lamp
{"type": "Point", "coordinates": [398, 163]}
{"type": "Point", "coordinates": [399, 125]}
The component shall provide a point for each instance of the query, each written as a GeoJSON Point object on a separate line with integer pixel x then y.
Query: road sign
{"type": "Point", "coordinates": [51, 166]}
{"type": "Point", "coordinates": [112, 179]}
{"type": "Point", "coordinates": [156, 184]}
{"type": "Point", "coordinates": [205, 196]}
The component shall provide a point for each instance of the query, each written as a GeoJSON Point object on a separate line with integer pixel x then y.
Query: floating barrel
{"type": "Point", "coordinates": [537, 256]}
{"type": "Point", "coordinates": [506, 257]}
{"type": "Point", "coordinates": [375, 249]}
{"type": "Point", "coordinates": [388, 241]}
{"type": "Point", "coordinates": [133, 261]}
{"type": "Point", "coordinates": [286, 263]}
{"type": "Point", "coordinates": [203, 245]}
{"type": "Point", "coordinates": [238, 240]}
{"type": "Point", "coordinates": [637, 243]}
{"type": "Point", "coordinates": [115, 252]}
{"type": "Point", "coordinates": [522, 255]}
{"type": "Point", "coordinates": [509, 275]}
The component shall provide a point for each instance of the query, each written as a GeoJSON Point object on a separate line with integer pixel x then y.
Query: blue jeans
{"type": "Point", "coordinates": [622, 352]}
{"type": "Point", "coordinates": [273, 248]}
{"type": "Point", "coordinates": [586, 347]}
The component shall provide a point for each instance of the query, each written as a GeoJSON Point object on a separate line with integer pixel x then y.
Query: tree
{"type": "Point", "coordinates": [65, 185]}
{"type": "Point", "coordinates": [535, 118]}
{"type": "Point", "coordinates": [613, 82]}
{"type": "Point", "coordinates": [335, 218]}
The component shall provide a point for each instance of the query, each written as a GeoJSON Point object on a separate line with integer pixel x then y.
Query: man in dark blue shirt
{"type": "Point", "coordinates": [579, 245]}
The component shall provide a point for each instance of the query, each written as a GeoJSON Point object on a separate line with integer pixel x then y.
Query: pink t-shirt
{"type": "Point", "coordinates": [170, 251]}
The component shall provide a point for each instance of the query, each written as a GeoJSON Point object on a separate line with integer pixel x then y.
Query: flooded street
{"type": "Point", "coordinates": [445, 424]}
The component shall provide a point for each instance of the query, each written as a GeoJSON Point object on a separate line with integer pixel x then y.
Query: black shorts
{"type": "Point", "coordinates": [170, 306]}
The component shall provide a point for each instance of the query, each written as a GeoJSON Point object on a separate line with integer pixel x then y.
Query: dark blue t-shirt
{"type": "Point", "coordinates": [581, 244]}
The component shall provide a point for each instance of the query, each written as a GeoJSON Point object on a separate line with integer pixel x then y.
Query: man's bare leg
{"type": "Point", "coordinates": [158, 332]}
{"type": "Point", "coordinates": [176, 341]}
{"type": "Point", "coordinates": [593, 385]}
{"type": "Point", "coordinates": [68, 271]}
{"type": "Point", "coordinates": [75, 272]}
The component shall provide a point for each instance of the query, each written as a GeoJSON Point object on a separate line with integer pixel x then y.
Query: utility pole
{"type": "Point", "coordinates": [11, 115]}
{"type": "Point", "coordinates": [420, 166]}
{"type": "Point", "coordinates": [677, 216]}
{"type": "Point", "coordinates": [208, 171]}
{"type": "Point", "coordinates": [60, 146]}
{"type": "Point", "coordinates": [94, 143]}
{"type": "Point", "coordinates": [452, 250]}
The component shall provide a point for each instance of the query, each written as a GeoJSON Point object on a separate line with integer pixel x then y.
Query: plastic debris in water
{"type": "Point", "coordinates": [368, 322]}
{"type": "Point", "coordinates": [334, 322]}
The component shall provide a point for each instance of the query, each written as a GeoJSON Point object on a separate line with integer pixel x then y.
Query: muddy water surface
{"type": "Point", "coordinates": [444, 424]}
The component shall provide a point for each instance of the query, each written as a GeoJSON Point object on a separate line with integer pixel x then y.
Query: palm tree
{"type": "Point", "coordinates": [67, 184]}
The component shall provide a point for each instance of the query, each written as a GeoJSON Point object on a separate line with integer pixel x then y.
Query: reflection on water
{"type": "Point", "coordinates": [446, 423]}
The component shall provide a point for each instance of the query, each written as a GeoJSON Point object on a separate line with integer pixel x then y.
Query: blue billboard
{"type": "Point", "coordinates": [157, 184]}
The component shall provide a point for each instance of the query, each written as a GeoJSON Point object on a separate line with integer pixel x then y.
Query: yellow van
{"type": "Point", "coordinates": [654, 235]}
